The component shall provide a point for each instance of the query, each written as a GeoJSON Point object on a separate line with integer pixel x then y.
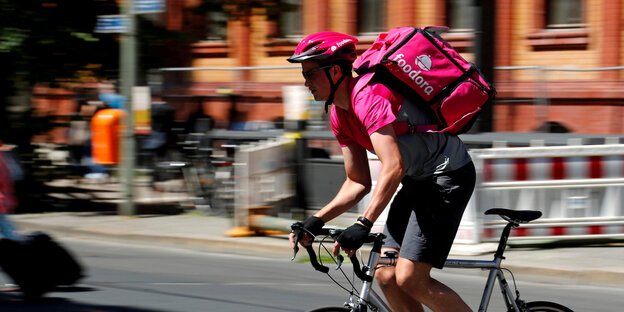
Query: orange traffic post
{"type": "Point", "coordinates": [106, 130]}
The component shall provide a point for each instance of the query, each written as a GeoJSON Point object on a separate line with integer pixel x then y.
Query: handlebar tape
{"type": "Point", "coordinates": [317, 266]}
{"type": "Point", "coordinates": [358, 271]}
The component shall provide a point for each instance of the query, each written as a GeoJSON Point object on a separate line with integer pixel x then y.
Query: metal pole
{"type": "Point", "coordinates": [484, 54]}
{"type": "Point", "coordinates": [127, 56]}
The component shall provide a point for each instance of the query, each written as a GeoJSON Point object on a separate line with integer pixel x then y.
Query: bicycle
{"type": "Point", "coordinates": [368, 300]}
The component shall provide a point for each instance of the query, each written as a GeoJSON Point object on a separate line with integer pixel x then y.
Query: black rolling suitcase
{"type": "Point", "coordinates": [38, 264]}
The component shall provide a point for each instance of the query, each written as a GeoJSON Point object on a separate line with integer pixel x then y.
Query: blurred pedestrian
{"type": "Point", "coordinates": [8, 201]}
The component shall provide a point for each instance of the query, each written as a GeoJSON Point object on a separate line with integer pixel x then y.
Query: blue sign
{"type": "Point", "coordinates": [114, 100]}
{"type": "Point", "coordinates": [111, 24]}
{"type": "Point", "coordinates": [149, 6]}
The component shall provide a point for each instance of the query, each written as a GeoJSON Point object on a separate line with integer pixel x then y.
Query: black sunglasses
{"type": "Point", "coordinates": [306, 74]}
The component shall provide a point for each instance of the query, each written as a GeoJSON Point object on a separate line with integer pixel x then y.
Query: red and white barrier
{"type": "Point", "coordinates": [567, 230]}
{"type": "Point", "coordinates": [553, 168]}
{"type": "Point", "coordinates": [579, 189]}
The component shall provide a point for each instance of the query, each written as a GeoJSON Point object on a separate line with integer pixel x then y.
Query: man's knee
{"type": "Point", "coordinates": [386, 277]}
{"type": "Point", "coordinates": [413, 277]}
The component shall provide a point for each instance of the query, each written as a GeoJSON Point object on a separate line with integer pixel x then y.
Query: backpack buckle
{"type": "Point", "coordinates": [421, 128]}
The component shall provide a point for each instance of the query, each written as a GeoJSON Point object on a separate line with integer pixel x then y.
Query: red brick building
{"type": "Point", "coordinates": [547, 54]}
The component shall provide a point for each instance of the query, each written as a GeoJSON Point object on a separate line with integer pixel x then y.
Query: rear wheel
{"type": "Point", "coordinates": [331, 309]}
{"type": "Point", "coordinates": [546, 306]}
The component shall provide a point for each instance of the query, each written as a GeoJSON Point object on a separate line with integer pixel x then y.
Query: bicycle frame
{"type": "Point", "coordinates": [495, 273]}
{"type": "Point", "coordinates": [367, 294]}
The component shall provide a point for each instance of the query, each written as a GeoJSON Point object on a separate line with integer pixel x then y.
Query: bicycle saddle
{"type": "Point", "coordinates": [519, 216]}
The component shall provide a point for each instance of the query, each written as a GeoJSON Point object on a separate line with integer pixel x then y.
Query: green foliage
{"type": "Point", "coordinates": [51, 39]}
{"type": "Point", "coordinates": [10, 39]}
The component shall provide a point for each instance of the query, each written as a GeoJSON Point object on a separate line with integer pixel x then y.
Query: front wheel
{"type": "Point", "coordinates": [546, 306]}
{"type": "Point", "coordinates": [330, 309]}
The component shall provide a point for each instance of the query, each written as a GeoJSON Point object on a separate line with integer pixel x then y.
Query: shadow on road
{"type": "Point", "coordinates": [13, 302]}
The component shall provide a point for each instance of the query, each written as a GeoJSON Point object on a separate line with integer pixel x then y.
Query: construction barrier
{"type": "Point", "coordinates": [264, 176]}
{"type": "Point", "coordinates": [578, 188]}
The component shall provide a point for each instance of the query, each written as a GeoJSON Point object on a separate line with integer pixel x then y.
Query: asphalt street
{"type": "Point", "coordinates": [141, 278]}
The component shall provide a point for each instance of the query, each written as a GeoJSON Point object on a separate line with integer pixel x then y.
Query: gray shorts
{"type": "Point", "coordinates": [425, 215]}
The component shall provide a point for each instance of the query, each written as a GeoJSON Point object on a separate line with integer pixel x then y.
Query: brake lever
{"type": "Point", "coordinates": [334, 233]}
{"type": "Point", "coordinates": [296, 228]}
{"type": "Point", "coordinates": [340, 260]}
{"type": "Point", "coordinates": [295, 250]}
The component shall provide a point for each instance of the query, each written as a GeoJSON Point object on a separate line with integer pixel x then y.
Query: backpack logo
{"type": "Point", "coordinates": [413, 74]}
{"type": "Point", "coordinates": [424, 62]}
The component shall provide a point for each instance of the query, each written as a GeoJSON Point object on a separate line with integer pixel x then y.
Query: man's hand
{"type": "Point", "coordinates": [351, 239]}
{"type": "Point", "coordinates": [312, 224]}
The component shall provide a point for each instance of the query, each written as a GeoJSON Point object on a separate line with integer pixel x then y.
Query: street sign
{"type": "Point", "coordinates": [149, 6]}
{"type": "Point", "coordinates": [141, 105]}
{"type": "Point", "coordinates": [111, 24]}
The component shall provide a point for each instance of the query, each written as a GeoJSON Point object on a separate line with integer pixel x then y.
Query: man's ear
{"type": "Point", "coordinates": [336, 70]}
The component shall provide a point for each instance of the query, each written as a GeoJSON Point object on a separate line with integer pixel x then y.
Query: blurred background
{"type": "Point", "coordinates": [175, 105]}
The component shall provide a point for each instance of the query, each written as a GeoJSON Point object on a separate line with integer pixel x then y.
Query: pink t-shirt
{"type": "Point", "coordinates": [372, 107]}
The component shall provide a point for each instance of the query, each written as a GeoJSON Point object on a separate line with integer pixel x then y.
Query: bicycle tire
{"type": "Point", "coordinates": [546, 306]}
{"type": "Point", "coordinates": [330, 309]}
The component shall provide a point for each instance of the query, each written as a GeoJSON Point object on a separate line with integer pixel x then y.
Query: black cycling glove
{"type": "Point", "coordinates": [353, 237]}
{"type": "Point", "coordinates": [313, 224]}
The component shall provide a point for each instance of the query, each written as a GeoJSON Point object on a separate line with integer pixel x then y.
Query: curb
{"type": "Point", "coordinates": [252, 246]}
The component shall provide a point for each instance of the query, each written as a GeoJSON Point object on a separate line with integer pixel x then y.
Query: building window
{"type": "Point", "coordinates": [461, 15]}
{"type": "Point", "coordinates": [461, 18]}
{"type": "Point", "coordinates": [372, 16]}
{"type": "Point", "coordinates": [564, 14]}
{"type": "Point", "coordinates": [216, 25]}
{"type": "Point", "coordinates": [290, 18]}
{"type": "Point", "coordinates": [560, 27]}
{"type": "Point", "coordinates": [208, 22]}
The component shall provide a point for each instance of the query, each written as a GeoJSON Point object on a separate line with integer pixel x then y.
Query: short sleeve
{"type": "Point", "coordinates": [374, 107]}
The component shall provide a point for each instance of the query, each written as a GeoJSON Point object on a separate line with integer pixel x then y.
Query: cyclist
{"type": "Point", "coordinates": [434, 170]}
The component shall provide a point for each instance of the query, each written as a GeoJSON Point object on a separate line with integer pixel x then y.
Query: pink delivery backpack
{"type": "Point", "coordinates": [422, 66]}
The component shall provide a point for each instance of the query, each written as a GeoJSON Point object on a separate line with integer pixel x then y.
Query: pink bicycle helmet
{"type": "Point", "coordinates": [325, 46]}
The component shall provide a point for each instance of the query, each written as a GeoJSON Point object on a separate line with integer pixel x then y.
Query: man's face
{"type": "Point", "coordinates": [316, 79]}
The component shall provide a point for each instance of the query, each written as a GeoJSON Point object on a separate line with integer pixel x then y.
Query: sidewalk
{"type": "Point", "coordinates": [600, 264]}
